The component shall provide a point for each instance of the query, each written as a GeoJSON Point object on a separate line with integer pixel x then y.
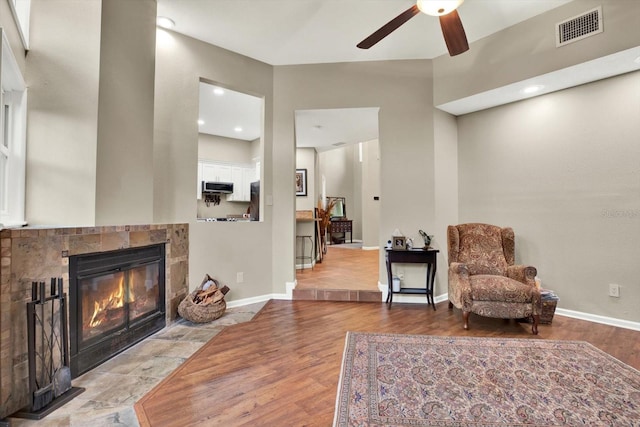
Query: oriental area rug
{"type": "Point", "coordinates": [419, 380]}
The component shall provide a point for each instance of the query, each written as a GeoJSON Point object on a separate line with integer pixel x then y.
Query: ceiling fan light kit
{"type": "Point", "coordinates": [445, 10]}
{"type": "Point", "coordinates": [438, 7]}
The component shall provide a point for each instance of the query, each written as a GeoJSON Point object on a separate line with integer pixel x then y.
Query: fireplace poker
{"type": "Point", "coordinates": [43, 395]}
{"type": "Point", "coordinates": [62, 375]}
{"type": "Point", "coordinates": [52, 324]}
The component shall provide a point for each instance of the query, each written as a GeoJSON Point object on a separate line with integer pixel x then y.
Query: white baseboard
{"type": "Point", "coordinates": [306, 266]}
{"type": "Point", "coordinates": [412, 299]}
{"type": "Point", "coordinates": [595, 318]}
{"type": "Point", "coordinates": [370, 248]}
{"type": "Point", "coordinates": [421, 299]}
{"type": "Point", "coordinates": [289, 286]}
{"type": "Point", "coordinates": [611, 321]}
{"type": "Point", "coordinates": [252, 300]}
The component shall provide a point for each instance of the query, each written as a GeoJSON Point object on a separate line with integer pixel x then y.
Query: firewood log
{"type": "Point", "coordinates": [217, 296]}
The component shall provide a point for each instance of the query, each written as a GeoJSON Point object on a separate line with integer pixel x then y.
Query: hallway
{"type": "Point", "coordinates": [346, 273]}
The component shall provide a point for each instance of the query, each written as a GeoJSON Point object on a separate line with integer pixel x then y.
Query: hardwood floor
{"type": "Point", "coordinates": [343, 275]}
{"type": "Point", "coordinates": [342, 268]}
{"type": "Point", "coordinates": [282, 368]}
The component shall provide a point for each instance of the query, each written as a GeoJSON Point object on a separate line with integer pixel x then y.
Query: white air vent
{"type": "Point", "coordinates": [579, 27]}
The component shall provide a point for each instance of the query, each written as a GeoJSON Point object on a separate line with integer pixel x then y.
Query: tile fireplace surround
{"type": "Point", "coordinates": [37, 254]}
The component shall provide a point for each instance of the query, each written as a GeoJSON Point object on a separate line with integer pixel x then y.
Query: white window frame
{"type": "Point", "coordinates": [21, 10]}
{"type": "Point", "coordinates": [13, 99]}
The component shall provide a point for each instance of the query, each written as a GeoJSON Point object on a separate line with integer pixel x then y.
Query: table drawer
{"type": "Point", "coordinates": [340, 226]}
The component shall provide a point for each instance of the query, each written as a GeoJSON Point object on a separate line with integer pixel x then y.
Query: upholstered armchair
{"type": "Point", "coordinates": [483, 278]}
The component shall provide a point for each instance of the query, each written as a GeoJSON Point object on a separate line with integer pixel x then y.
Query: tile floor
{"type": "Point", "coordinates": [112, 388]}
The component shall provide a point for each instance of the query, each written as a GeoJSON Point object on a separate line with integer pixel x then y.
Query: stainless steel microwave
{"type": "Point", "coordinates": [210, 187]}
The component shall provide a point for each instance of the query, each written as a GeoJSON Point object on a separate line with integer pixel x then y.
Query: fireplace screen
{"type": "Point", "coordinates": [116, 299]}
{"type": "Point", "coordinates": [110, 301]}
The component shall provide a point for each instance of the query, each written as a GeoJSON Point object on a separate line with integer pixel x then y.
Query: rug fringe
{"type": "Point", "coordinates": [342, 364]}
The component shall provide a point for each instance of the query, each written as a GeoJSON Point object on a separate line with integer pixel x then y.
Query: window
{"type": "Point", "coordinates": [12, 138]}
{"type": "Point", "coordinates": [4, 156]}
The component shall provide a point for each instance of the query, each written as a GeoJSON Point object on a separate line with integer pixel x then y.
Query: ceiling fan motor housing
{"type": "Point", "coordinates": [438, 7]}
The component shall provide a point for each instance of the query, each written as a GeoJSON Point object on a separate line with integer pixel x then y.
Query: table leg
{"type": "Point", "coordinates": [389, 284]}
{"type": "Point", "coordinates": [431, 276]}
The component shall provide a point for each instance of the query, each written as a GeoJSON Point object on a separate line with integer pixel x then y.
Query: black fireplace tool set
{"type": "Point", "coordinates": [48, 344]}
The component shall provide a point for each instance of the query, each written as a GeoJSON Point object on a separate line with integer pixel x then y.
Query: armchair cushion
{"type": "Point", "coordinates": [499, 288]}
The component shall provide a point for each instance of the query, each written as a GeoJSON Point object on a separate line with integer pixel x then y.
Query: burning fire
{"type": "Point", "coordinates": [115, 300]}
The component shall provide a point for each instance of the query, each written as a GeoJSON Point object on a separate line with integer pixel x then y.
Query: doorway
{"type": "Point", "coordinates": [338, 150]}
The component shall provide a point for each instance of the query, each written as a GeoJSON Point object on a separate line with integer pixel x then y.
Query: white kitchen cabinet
{"type": "Point", "coordinates": [211, 171]}
{"type": "Point", "coordinates": [241, 176]}
{"type": "Point", "coordinates": [216, 172]}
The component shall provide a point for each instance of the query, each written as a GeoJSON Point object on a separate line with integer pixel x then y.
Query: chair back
{"type": "Point", "coordinates": [484, 248]}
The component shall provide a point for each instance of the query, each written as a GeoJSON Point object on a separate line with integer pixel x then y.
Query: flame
{"type": "Point", "coordinates": [112, 301]}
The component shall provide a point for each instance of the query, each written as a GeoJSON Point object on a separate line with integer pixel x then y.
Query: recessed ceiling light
{"type": "Point", "coordinates": [237, 129]}
{"type": "Point", "coordinates": [532, 89]}
{"type": "Point", "coordinates": [218, 91]}
{"type": "Point", "coordinates": [200, 122]}
{"type": "Point", "coordinates": [164, 22]}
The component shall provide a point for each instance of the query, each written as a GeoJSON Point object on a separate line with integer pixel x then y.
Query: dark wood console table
{"type": "Point", "coordinates": [341, 226]}
{"type": "Point", "coordinates": [412, 256]}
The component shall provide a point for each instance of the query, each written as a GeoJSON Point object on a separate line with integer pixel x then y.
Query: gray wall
{"type": "Point", "coordinates": [90, 72]}
{"type": "Point", "coordinates": [370, 189]}
{"type": "Point", "coordinates": [446, 193]}
{"type": "Point", "coordinates": [403, 91]}
{"type": "Point", "coordinates": [219, 249]}
{"type": "Point", "coordinates": [342, 176]}
{"type": "Point", "coordinates": [124, 173]}
{"type": "Point", "coordinates": [528, 49]}
{"type": "Point", "coordinates": [222, 149]}
{"type": "Point", "coordinates": [62, 73]}
{"type": "Point", "coordinates": [358, 182]}
{"type": "Point", "coordinates": [562, 170]}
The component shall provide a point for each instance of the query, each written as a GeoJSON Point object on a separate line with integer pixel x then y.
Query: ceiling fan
{"type": "Point", "coordinates": [452, 29]}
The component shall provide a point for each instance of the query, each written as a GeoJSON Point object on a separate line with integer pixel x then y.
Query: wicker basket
{"type": "Point", "coordinates": [199, 313]}
{"type": "Point", "coordinates": [548, 310]}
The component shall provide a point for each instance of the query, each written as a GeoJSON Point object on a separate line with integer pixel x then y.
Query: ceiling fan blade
{"type": "Point", "coordinates": [389, 27]}
{"type": "Point", "coordinates": [453, 32]}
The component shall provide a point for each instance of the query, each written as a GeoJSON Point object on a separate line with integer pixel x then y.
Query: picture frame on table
{"type": "Point", "coordinates": [301, 182]}
{"type": "Point", "coordinates": [399, 243]}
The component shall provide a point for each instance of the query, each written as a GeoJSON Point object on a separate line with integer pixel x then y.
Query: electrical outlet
{"type": "Point", "coordinates": [614, 290]}
{"type": "Point", "coordinates": [239, 277]}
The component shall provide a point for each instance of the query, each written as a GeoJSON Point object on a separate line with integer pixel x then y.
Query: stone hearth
{"type": "Point", "coordinates": [37, 254]}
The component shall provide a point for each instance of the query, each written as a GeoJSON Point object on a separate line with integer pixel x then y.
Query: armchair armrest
{"type": "Point", "coordinates": [459, 268]}
{"type": "Point", "coordinates": [523, 273]}
{"type": "Point", "coordinates": [459, 286]}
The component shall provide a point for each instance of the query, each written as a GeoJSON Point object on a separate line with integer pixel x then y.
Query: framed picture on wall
{"type": "Point", "coordinates": [301, 182]}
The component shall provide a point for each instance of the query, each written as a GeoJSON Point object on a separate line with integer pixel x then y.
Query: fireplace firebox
{"type": "Point", "coordinates": [116, 299]}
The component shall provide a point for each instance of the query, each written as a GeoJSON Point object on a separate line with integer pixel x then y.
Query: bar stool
{"type": "Point", "coordinates": [302, 239]}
